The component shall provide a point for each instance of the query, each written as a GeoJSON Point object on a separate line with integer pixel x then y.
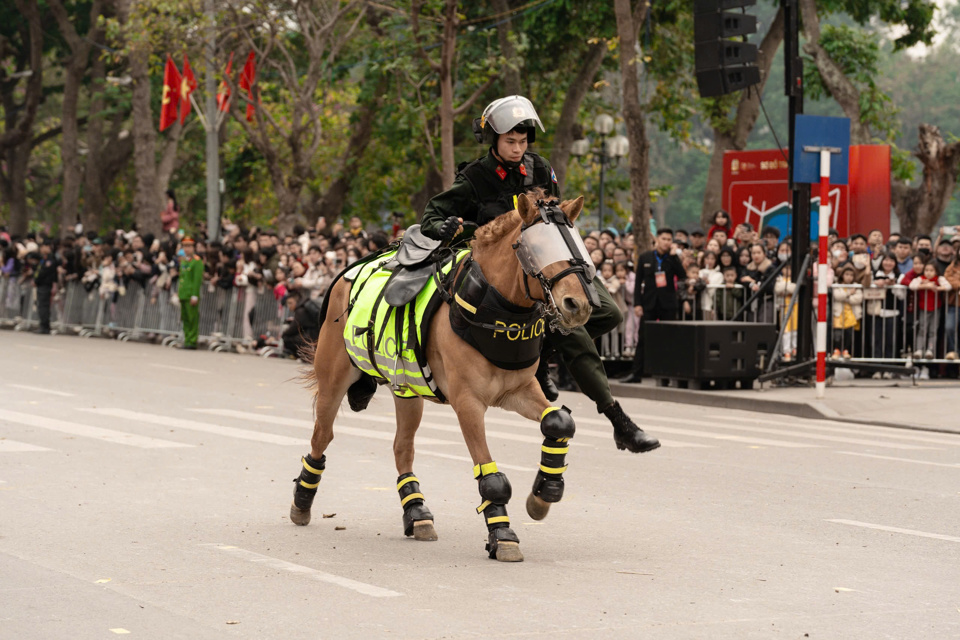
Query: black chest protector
{"type": "Point", "coordinates": [507, 335]}
{"type": "Point", "coordinates": [495, 195]}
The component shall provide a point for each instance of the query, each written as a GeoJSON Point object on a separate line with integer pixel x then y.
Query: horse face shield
{"type": "Point", "coordinates": [556, 241]}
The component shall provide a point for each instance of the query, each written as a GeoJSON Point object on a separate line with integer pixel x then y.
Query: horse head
{"type": "Point", "coordinates": [552, 254]}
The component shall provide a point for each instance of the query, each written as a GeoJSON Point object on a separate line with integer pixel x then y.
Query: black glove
{"type": "Point", "coordinates": [449, 228]}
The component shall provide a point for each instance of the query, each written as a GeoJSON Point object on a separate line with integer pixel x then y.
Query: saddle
{"type": "Point", "coordinates": [412, 267]}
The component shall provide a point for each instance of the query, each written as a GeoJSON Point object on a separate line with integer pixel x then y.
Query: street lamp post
{"type": "Point", "coordinates": [609, 151]}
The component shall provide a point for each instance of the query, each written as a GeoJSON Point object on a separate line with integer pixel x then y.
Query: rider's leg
{"type": "Point", "coordinates": [417, 519]}
{"type": "Point", "coordinates": [579, 353]}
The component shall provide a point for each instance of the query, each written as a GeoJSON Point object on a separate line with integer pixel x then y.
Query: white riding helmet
{"type": "Point", "coordinates": [506, 114]}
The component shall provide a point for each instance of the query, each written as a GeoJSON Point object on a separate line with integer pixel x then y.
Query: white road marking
{"type": "Point", "coordinates": [12, 446]}
{"type": "Point", "coordinates": [41, 390]}
{"type": "Point", "coordinates": [450, 456]}
{"type": "Point", "coordinates": [855, 430]}
{"type": "Point", "coordinates": [926, 462]}
{"type": "Point", "coordinates": [528, 424]}
{"type": "Point", "coordinates": [805, 436]}
{"type": "Point", "coordinates": [322, 576]}
{"type": "Point", "coordinates": [87, 431]}
{"type": "Point", "coordinates": [176, 368]}
{"type": "Point", "coordinates": [35, 348]}
{"type": "Point", "coordinates": [446, 428]}
{"type": "Point", "coordinates": [909, 532]}
{"type": "Point", "coordinates": [205, 427]}
{"type": "Point", "coordinates": [339, 429]}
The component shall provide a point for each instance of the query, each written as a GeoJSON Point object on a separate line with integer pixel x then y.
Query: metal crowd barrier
{"type": "Point", "coordinates": [230, 319]}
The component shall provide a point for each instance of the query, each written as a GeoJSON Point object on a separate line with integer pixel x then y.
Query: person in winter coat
{"type": "Point", "coordinates": [884, 312]}
{"type": "Point", "coordinates": [784, 289]}
{"type": "Point", "coordinates": [930, 285]}
{"type": "Point", "coordinates": [952, 276]}
{"type": "Point", "coordinates": [847, 310]}
{"type": "Point", "coordinates": [712, 278]}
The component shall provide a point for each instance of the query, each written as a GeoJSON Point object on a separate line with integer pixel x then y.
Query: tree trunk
{"type": "Point", "coordinates": [920, 208]}
{"type": "Point", "coordinates": [432, 185]}
{"type": "Point", "coordinates": [147, 203]}
{"type": "Point", "coordinates": [13, 186]}
{"type": "Point", "coordinates": [331, 205]}
{"type": "Point", "coordinates": [748, 110]}
{"type": "Point", "coordinates": [168, 159]}
{"type": "Point", "coordinates": [628, 25]}
{"type": "Point", "coordinates": [511, 76]}
{"type": "Point", "coordinates": [69, 145]}
{"type": "Point", "coordinates": [567, 127]}
{"type": "Point", "coordinates": [93, 198]}
{"type": "Point", "coordinates": [19, 117]}
{"type": "Point", "coordinates": [450, 22]}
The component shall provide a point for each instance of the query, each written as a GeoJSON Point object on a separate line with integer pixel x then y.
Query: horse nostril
{"type": "Point", "coordinates": [570, 304]}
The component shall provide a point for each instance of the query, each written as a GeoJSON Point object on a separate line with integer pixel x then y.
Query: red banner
{"type": "Point", "coordinates": [187, 86]}
{"type": "Point", "coordinates": [247, 76]}
{"type": "Point", "coordinates": [223, 93]}
{"type": "Point", "coordinates": [755, 190]}
{"type": "Point", "coordinates": [171, 95]}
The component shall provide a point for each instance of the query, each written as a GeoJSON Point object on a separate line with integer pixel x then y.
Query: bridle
{"type": "Point", "coordinates": [550, 239]}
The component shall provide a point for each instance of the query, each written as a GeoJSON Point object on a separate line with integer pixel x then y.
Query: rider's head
{"type": "Point", "coordinates": [508, 125]}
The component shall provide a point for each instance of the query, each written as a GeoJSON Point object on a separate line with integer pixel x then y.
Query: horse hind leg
{"type": "Point", "coordinates": [334, 374]}
{"type": "Point", "coordinates": [417, 519]}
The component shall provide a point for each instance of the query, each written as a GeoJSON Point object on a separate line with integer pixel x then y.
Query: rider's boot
{"type": "Point", "coordinates": [417, 519]}
{"type": "Point", "coordinates": [305, 489]}
{"type": "Point", "coordinates": [626, 434]}
{"type": "Point", "coordinates": [502, 543]}
{"type": "Point", "coordinates": [557, 427]}
{"type": "Point", "coordinates": [546, 382]}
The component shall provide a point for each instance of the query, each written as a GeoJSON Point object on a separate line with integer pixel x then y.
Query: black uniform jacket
{"type": "Point", "coordinates": [652, 296]}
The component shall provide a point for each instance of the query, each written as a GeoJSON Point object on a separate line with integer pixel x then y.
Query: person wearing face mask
{"type": "Point", "coordinates": [839, 254]}
{"type": "Point", "coordinates": [784, 252]}
{"type": "Point", "coordinates": [860, 259]}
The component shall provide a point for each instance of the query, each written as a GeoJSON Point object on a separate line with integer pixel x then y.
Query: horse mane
{"type": "Point", "coordinates": [500, 226]}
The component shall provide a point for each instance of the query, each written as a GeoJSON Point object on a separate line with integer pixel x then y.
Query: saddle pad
{"type": "Point", "coordinates": [389, 343]}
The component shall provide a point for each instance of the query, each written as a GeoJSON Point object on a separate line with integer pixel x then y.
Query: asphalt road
{"type": "Point", "coordinates": [145, 492]}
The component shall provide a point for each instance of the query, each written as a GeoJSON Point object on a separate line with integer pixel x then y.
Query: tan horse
{"type": "Point", "coordinates": [469, 382]}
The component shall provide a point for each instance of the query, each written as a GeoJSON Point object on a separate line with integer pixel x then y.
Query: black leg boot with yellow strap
{"type": "Point", "coordinates": [305, 489]}
{"type": "Point", "coordinates": [557, 427]}
{"type": "Point", "coordinates": [495, 491]}
{"type": "Point", "coordinates": [417, 519]}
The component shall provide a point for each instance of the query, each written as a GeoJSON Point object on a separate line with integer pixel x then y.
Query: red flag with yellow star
{"type": "Point", "coordinates": [187, 86]}
{"type": "Point", "coordinates": [171, 94]}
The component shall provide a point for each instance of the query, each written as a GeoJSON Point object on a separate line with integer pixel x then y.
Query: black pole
{"type": "Point", "coordinates": [603, 159]}
{"type": "Point", "coordinates": [800, 223]}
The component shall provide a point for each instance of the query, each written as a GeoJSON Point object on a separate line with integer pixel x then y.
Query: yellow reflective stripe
{"type": "Point", "coordinates": [555, 470]}
{"type": "Point", "coordinates": [463, 303]}
{"type": "Point", "coordinates": [554, 449]}
{"type": "Point", "coordinates": [486, 503]}
{"type": "Point", "coordinates": [514, 197]}
{"type": "Point", "coordinates": [497, 519]}
{"type": "Point", "coordinates": [409, 498]}
{"type": "Point", "coordinates": [307, 485]}
{"type": "Point", "coordinates": [548, 410]}
{"type": "Point", "coordinates": [484, 469]}
{"type": "Point", "coordinates": [563, 439]}
{"type": "Point", "coordinates": [406, 480]}
{"type": "Point", "coordinates": [309, 468]}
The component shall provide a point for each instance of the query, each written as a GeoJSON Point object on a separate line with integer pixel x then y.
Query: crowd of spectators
{"type": "Point", "coordinates": [724, 267]}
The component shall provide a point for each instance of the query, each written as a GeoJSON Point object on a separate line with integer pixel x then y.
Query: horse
{"type": "Point", "coordinates": [530, 260]}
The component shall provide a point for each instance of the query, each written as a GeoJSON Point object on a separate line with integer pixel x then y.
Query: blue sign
{"type": "Point", "coordinates": [821, 131]}
{"type": "Point", "coordinates": [781, 218]}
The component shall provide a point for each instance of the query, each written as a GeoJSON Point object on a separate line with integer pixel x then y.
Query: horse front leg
{"type": "Point", "coordinates": [495, 491]}
{"type": "Point", "coordinates": [417, 519]}
{"type": "Point", "coordinates": [557, 427]}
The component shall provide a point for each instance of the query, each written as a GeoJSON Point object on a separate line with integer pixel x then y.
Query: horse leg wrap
{"type": "Point", "coordinates": [557, 427]}
{"type": "Point", "coordinates": [414, 509]}
{"type": "Point", "coordinates": [305, 488]}
{"type": "Point", "coordinates": [495, 491]}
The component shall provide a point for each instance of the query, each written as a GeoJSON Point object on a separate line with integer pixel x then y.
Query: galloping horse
{"type": "Point", "coordinates": [528, 264]}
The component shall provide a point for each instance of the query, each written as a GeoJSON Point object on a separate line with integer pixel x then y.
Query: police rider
{"type": "Point", "coordinates": [485, 189]}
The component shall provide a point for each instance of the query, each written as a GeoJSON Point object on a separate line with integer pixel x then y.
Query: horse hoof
{"type": "Point", "coordinates": [299, 516]}
{"type": "Point", "coordinates": [509, 552]}
{"type": "Point", "coordinates": [537, 508]}
{"type": "Point", "coordinates": [423, 530]}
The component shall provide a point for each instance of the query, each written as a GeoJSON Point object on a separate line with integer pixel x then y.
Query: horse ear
{"type": "Point", "coordinates": [526, 209]}
{"type": "Point", "coordinates": [572, 208]}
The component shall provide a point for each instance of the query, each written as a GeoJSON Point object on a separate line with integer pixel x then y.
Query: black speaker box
{"type": "Point", "coordinates": [707, 351]}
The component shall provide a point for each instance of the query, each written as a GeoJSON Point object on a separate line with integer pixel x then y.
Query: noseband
{"type": "Point", "coordinates": [550, 239]}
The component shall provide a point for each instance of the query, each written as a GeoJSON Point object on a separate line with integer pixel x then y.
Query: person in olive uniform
{"type": "Point", "coordinates": [191, 277]}
{"type": "Point", "coordinates": [485, 189]}
{"type": "Point", "coordinates": [658, 272]}
{"type": "Point", "coordinates": [44, 278]}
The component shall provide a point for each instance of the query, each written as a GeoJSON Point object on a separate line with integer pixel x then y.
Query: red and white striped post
{"type": "Point", "coordinates": [822, 272]}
